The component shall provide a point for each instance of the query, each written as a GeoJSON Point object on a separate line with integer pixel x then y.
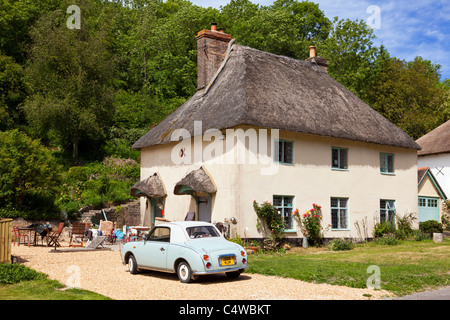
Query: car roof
{"type": "Point", "coordinates": [185, 224]}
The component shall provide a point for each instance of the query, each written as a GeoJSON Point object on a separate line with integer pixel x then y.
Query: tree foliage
{"type": "Point", "coordinates": [27, 169]}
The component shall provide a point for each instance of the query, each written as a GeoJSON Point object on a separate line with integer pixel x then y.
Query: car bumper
{"type": "Point", "coordinates": [199, 273]}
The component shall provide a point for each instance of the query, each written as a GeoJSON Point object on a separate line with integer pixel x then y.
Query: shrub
{"type": "Point", "coordinates": [383, 228]}
{"type": "Point", "coordinates": [404, 226]}
{"type": "Point", "coordinates": [310, 224]}
{"type": "Point", "coordinates": [341, 245]}
{"type": "Point", "coordinates": [269, 218]}
{"type": "Point", "coordinates": [420, 236]}
{"type": "Point", "coordinates": [388, 239]}
{"type": "Point", "coordinates": [14, 273]}
{"type": "Point", "coordinates": [430, 226]}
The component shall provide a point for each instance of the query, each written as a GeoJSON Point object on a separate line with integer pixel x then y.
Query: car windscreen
{"type": "Point", "coordinates": [202, 232]}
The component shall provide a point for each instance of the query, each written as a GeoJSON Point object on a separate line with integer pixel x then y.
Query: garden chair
{"type": "Point", "coordinates": [107, 228]}
{"type": "Point", "coordinates": [19, 235]}
{"type": "Point", "coordinates": [53, 237]}
{"type": "Point", "coordinates": [77, 232]}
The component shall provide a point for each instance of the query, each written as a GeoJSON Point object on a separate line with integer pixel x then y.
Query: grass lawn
{"type": "Point", "coordinates": [18, 282]}
{"type": "Point", "coordinates": [45, 290]}
{"type": "Point", "coordinates": [411, 266]}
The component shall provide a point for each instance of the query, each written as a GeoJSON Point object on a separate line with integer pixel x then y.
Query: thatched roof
{"type": "Point", "coordinates": [197, 181]}
{"type": "Point", "coordinates": [151, 187]}
{"type": "Point", "coordinates": [435, 141]}
{"type": "Point", "coordinates": [257, 88]}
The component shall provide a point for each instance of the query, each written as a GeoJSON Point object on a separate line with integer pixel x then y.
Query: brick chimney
{"type": "Point", "coordinates": [320, 61]}
{"type": "Point", "coordinates": [211, 47]}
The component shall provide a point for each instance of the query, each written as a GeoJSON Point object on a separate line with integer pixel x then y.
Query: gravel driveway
{"type": "Point", "coordinates": [102, 271]}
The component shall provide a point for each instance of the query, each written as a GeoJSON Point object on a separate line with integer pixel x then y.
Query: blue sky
{"type": "Point", "coordinates": [407, 28]}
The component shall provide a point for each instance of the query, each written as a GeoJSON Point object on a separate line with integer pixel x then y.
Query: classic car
{"type": "Point", "coordinates": [188, 248]}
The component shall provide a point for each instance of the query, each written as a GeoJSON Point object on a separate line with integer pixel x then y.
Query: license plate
{"type": "Point", "coordinates": [227, 260]}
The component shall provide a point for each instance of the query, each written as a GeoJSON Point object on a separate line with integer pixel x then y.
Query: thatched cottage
{"type": "Point", "coordinates": [266, 127]}
{"type": "Point", "coordinates": [435, 154]}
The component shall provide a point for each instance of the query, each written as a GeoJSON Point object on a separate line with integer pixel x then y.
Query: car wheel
{"type": "Point", "coordinates": [184, 272]}
{"type": "Point", "coordinates": [234, 274]}
{"type": "Point", "coordinates": [132, 265]}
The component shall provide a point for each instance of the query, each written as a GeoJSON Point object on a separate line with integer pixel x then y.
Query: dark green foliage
{"type": "Point", "coordinates": [430, 227]}
{"type": "Point", "coordinates": [29, 174]}
{"type": "Point", "coordinates": [14, 273]}
{"type": "Point", "coordinates": [341, 244]}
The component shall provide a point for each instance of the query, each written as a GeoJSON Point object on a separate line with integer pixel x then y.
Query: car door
{"type": "Point", "coordinates": [152, 253]}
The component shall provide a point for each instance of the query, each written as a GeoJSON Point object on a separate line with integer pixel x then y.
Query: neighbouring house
{"type": "Point", "coordinates": [435, 154]}
{"type": "Point", "coordinates": [431, 196]}
{"type": "Point", "coordinates": [266, 127]}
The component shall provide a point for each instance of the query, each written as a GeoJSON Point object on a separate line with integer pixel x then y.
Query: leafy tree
{"type": "Point", "coordinates": [351, 54]}
{"type": "Point", "coordinates": [288, 27]}
{"type": "Point", "coordinates": [70, 76]}
{"type": "Point", "coordinates": [409, 94]}
{"type": "Point", "coordinates": [12, 92]}
{"type": "Point", "coordinates": [26, 169]}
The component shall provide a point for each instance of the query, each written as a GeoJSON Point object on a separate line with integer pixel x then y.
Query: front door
{"type": "Point", "coordinates": [428, 209]}
{"type": "Point", "coordinates": [204, 209]}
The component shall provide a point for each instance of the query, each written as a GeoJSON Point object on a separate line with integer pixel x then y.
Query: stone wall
{"type": "Point", "coordinates": [123, 214]}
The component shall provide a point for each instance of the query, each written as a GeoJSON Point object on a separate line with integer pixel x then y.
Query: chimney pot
{"type": "Point", "coordinates": [213, 26]}
{"type": "Point", "coordinates": [312, 51]}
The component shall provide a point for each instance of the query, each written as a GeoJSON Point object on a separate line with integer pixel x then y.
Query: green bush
{"type": "Point", "coordinates": [430, 226]}
{"type": "Point", "coordinates": [383, 228]}
{"type": "Point", "coordinates": [341, 245]}
{"type": "Point", "coordinates": [14, 273]}
{"type": "Point", "coordinates": [388, 239]}
{"type": "Point", "coordinates": [420, 236]}
{"type": "Point", "coordinates": [404, 226]}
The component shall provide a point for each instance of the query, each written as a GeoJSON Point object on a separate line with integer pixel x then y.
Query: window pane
{"type": "Point", "coordinates": [279, 151]}
{"type": "Point", "coordinates": [334, 202]}
{"type": "Point", "coordinates": [334, 158]}
{"type": "Point", "coordinates": [334, 218]}
{"type": "Point", "coordinates": [382, 215]}
{"type": "Point", "coordinates": [343, 159]}
{"type": "Point", "coordinates": [288, 218]}
{"type": "Point", "coordinates": [343, 203]}
{"type": "Point", "coordinates": [382, 162]}
{"type": "Point", "coordinates": [277, 201]}
{"type": "Point", "coordinates": [343, 218]}
{"type": "Point", "coordinates": [390, 162]}
{"type": "Point", "coordinates": [288, 148]}
{"type": "Point", "coordinates": [287, 201]}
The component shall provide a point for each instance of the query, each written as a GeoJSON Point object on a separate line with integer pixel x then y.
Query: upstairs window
{"type": "Point", "coordinates": [339, 158]}
{"type": "Point", "coordinates": [284, 152]}
{"type": "Point", "coordinates": [387, 163]}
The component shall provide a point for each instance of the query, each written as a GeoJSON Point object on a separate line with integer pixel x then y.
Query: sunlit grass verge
{"type": "Point", "coordinates": [409, 267]}
{"type": "Point", "coordinates": [18, 282]}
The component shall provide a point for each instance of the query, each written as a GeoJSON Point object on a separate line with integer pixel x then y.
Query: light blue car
{"type": "Point", "coordinates": [188, 248]}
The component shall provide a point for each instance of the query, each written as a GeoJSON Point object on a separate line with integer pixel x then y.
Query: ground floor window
{"type": "Point", "coordinates": [339, 213]}
{"type": "Point", "coordinates": [387, 210]}
{"type": "Point", "coordinates": [284, 205]}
